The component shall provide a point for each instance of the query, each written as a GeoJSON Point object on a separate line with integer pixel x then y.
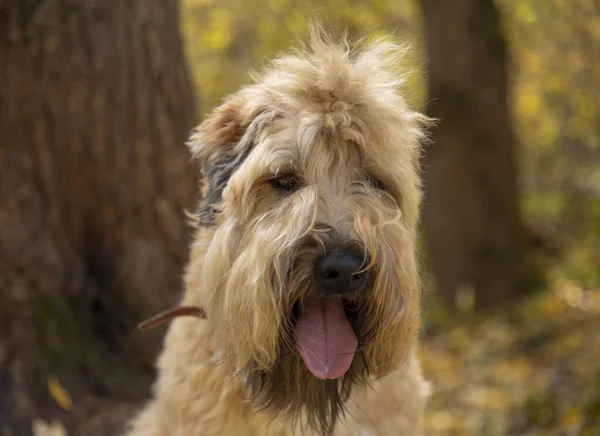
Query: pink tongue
{"type": "Point", "coordinates": [325, 338]}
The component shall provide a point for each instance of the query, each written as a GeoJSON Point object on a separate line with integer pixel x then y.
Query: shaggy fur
{"type": "Point", "coordinates": [332, 122]}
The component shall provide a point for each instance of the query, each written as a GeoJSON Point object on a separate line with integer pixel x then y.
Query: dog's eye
{"type": "Point", "coordinates": [375, 183]}
{"type": "Point", "coordinates": [286, 182]}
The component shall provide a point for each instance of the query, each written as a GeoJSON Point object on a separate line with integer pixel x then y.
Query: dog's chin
{"type": "Point", "coordinates": [305, 384]}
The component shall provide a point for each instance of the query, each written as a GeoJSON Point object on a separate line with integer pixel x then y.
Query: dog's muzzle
{"type": "Point", "coordinates": [323, 334]}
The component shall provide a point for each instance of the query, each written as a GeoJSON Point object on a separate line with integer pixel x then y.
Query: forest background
{"type": "Point", "coordinates": [99, 96]}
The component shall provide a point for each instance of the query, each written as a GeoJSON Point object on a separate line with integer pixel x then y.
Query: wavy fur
{"type": "Point", "coordinates": [336, 118]}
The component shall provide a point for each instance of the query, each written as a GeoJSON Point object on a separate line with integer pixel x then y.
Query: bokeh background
{"type": "Point", "coordinates": [98, 97]}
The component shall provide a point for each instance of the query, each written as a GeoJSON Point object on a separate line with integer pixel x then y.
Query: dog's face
{"type": "Point", "coordinates": [312, 190]}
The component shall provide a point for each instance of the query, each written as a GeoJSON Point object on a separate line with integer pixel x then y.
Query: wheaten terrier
{"type": "Point", "coordinates": [303, 258]}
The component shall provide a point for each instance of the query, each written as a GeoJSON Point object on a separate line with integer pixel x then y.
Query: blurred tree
{"type": "Point", "coordinates": [95, 105]}
{"type": "Point", "coordinates": [471, 211]}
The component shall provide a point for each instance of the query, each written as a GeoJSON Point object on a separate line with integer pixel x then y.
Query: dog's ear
{"type": "Point", "coordinates": [221, 129]}
{"type": "Point", "coordinates": [221, 144]}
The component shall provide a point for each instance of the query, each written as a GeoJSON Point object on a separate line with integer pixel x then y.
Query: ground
{"type": "Point", "coordinates": [529, 370]}
{"type": "Point", "coordinates": [533, 370]}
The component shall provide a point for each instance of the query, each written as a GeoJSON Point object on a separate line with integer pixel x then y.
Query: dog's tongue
{"type": "Point", "coordinates": [325, 339]}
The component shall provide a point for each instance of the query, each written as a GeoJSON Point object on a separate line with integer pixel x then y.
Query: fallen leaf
{"type": "Point", "coordinates": [58, 393]}
{"type": "Point", "coordinates": [43, 428]}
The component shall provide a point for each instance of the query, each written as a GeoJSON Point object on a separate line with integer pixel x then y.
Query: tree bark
{"type": "Point", "coordinates": [471, 212]}
{"type": "Point", "coordinates": [95, 106]}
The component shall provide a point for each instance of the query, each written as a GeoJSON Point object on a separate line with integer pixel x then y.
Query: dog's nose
{"type": "Point", "coordinates": [339, 272]}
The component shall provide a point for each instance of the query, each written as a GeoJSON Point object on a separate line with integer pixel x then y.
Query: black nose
{"type": "Point", "coordinates": [338, 272]}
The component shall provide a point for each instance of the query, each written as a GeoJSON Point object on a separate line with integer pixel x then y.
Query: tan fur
{"type": "Point", "coordinates": [334, 118]}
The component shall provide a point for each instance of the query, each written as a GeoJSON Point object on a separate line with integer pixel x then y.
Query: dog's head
{"type": "Point", "coordinates": [312, 192]}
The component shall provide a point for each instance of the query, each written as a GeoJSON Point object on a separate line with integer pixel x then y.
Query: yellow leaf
{"type": "Point", "coordinates": [573, 417]}
{"type": "Point", "coordinates": [279, 6]}
{"type": "Point", "coordinates": [529, 102]}
{"type": "Point", "coordinates": [525, 13]}
{"type": "Point", "coordinates": [295, 22]}
{"type": "Point", "coordinates": [58, 393]}
{"type": "Point", "coordinates": [441, 420]}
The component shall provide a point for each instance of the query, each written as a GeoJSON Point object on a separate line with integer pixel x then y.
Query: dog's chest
{"type": "Point", "coordinates": [392, 406]}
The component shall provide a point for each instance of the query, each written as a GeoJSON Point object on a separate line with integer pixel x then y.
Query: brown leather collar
{"type": "Point", "coordinates": [168, 315]}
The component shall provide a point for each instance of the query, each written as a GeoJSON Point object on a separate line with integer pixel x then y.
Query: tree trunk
{"type": "Point", "coordinates": [471, 212]}
{"type": "Point", "coordinates": [95, 105]}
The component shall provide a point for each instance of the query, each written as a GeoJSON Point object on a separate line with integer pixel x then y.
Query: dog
{"type": "Point", "coordinates": [303, 259]}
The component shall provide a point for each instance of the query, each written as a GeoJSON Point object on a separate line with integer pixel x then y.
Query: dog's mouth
{"type": "Point", "coordinates": [324, 336]}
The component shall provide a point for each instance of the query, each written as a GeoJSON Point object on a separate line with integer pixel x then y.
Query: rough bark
{"type": "Point", "coordinates": [471, 212]}
{"type": "Point", "coordinates": [95, 106]}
